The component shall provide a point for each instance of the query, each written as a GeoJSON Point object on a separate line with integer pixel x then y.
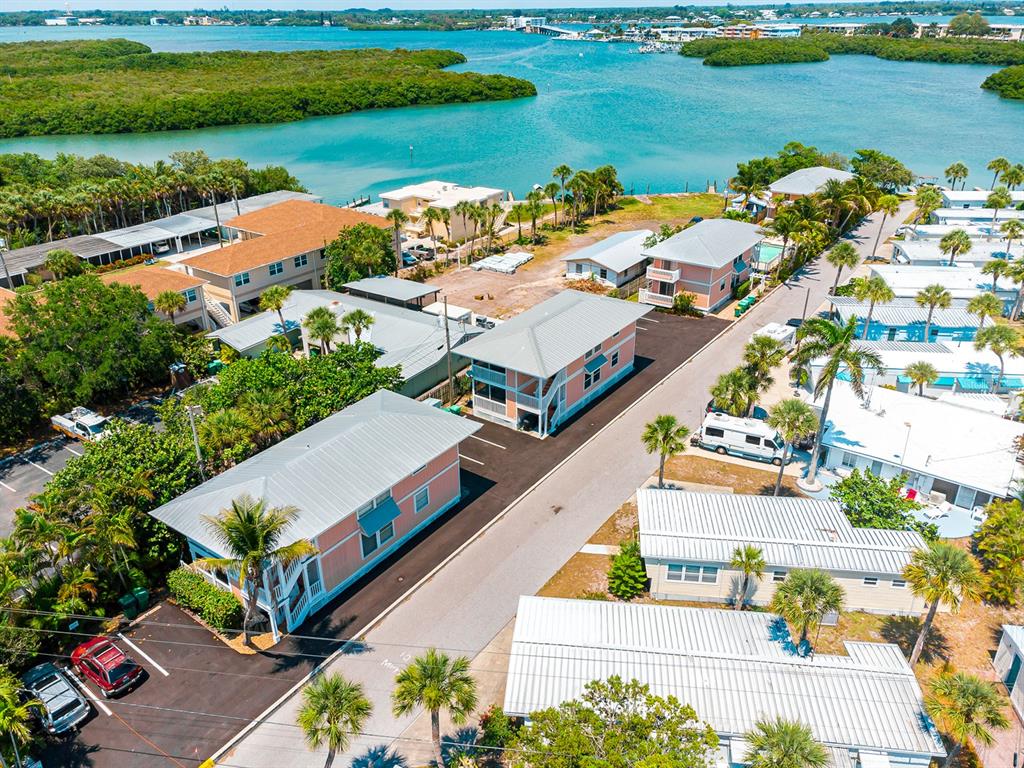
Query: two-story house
{"type": "Point", "coordinates": [153, 281]}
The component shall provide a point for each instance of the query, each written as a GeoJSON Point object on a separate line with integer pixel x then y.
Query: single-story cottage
{"type": "Point", "coordinates": [613, 261]}
{"type": "Point", "coordinates": [1008, 662]}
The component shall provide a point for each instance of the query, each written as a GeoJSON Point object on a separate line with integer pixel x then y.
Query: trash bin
{"type": "Point", "coordinates": [129, 607]}
{"type": "Point", "coordinates": [141, 595]}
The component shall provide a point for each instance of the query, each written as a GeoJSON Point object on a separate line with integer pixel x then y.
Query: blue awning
{"type": "Point", "coordinates": [944, 381]}
{"type": "Point", "coordinates": [901, 378]}
{"type": "Point", "coordinates": [844, 376]}
{"type": "Point", "coordinates": [1012, 382]}
{"type": "Point", "coordinates": [972, 383]}
{"type": "Point", "coordinates": [380, 516]}
{"type": "Point", "coordinates": [594, 363]}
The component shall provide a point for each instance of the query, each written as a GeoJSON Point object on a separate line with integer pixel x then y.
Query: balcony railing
{"type": "Point", "coordinates": [528, 401]}
{"type": "Point", "coordinates": [487, 376]}
{"type": "Point", "coordinates": [650, 297]}
{"type": "Point", "coordinates": [663, 275]}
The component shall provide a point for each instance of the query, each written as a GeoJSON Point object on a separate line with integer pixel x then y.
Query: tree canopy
{"type": "Point", "coordinates": [362, 250]}
{"type": "Point", "coordinates": [871, 502]}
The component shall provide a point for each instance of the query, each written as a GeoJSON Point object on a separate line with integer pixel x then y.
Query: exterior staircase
{"type": "Point", "coordinates": [218, 314]}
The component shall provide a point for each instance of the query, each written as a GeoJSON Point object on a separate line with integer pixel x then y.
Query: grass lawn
{"type": "Point", "coordinates": [669, 209]}
{"type": "Point", "coordinates": [583, 575]}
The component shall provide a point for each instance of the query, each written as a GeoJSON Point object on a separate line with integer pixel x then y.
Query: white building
{"type": "Point", "coordinates": [613, 261]}
{"type": "Point", "coordinates": [968, 216]}
{"type": "Point", "coordinates": [974, 198]}
{"type": "Point", "coordinates": [806, 181]}
{"type": "Point", "coordinates": [524, 22]}
{"type": "Point", "coordinates": [948, 452]}
{"type": "Point", "coordinates": [963, 282]}
{"type": "Point", "coordinates": [414, 199]}
{"type": "Point", "coordinates": [1008, 662]}
{"type": "Point", "coordinates": [734, 668]}
{"type": "Point", "coordinates": [926, 253]}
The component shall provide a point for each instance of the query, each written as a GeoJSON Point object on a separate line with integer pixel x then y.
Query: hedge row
{"type": "Point", "coordinates": [215, 606]}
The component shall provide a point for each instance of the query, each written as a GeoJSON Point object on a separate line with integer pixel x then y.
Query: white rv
{"type": "Point", "coordinates": [749, 438]}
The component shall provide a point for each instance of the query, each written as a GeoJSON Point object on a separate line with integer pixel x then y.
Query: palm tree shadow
{"type": "Point", "coordinates": [903, 631]}
{"type": "Point", "coordinates": [379, 756]}
{"type": "Point", "coordinates": [462, 741]}
{"type": "Point", "coordinates": [769, 488]}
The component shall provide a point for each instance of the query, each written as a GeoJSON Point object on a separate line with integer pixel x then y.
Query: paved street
{"type": "Point", "coordinates": [24, 475]}
{"type": "Point", "coordinates": [467, 602]}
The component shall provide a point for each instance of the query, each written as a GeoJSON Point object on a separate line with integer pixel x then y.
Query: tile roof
{"type": "Point", "coordinates": [153, 280]}
{"type": "Point", "coordinates": [709, 243]}
{"type": "Point", "coordinates": [292, 214]}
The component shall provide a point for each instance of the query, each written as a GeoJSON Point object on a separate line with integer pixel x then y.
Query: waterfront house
{"type": "Point", "coordinates": [925, 232]}
{"type": "Point", "coordinates": [804, 182]}
{"type": "Point", "coordinates": [974, 198]}
{"type": "Point", "coordinates": [688, 539]}
{"type": "Point", "coordinates": [364, 481]}
{"type": "Point", "coordinates": [904, 320]}
{"type": "Point", "coordinates": [733, 667]}
{"type": "Point", "coordinates": [394, 290]}
{"type": "Point", "coordinates": [153, 281]}
{"type": "Point", "coordinates": [280, 245]}
{"type": "Point", "coordinates": [414, 199]}
{"type": "Point", "coordinates": [707, 260]}
{"type": "Point", "coordinates": [963, 282]}
{"type": "Point", "coordinates": [966, 216]}
{"type": "Point", "coordinates": [1008, 662]}
{"type": "Point", "coordinates": [614, 261]}
{"type": "Point", "coordinates": [997, 31]}
{"type": "Point", "coordinates": [949, 453]}
{"type": "Point", "coordinates": [926, 252]}
{"type": "Point", "coordinates": [536, 370]}
{"type": "Point", "coordinates": [408, 338]}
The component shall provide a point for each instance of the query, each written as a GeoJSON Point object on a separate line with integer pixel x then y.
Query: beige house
{"type": "Point", "coordinates": [279, 245]}
{"type": "Point", "coordinates": [153, 281]}
{"type": "Point", "coordinates": [688, 539]}
{"type": "Point", "coordinates": [414, 200]}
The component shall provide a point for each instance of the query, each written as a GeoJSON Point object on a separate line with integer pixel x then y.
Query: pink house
{"type": "Point", "coordinates": [707, 260]}
{"type": "Point", "coordinates": [364, 481]}
{"type": "Point", "coordinates": [539, 368]}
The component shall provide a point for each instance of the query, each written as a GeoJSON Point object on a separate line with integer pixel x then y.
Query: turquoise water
{"type": "Point", "coordinates": [666, 122]}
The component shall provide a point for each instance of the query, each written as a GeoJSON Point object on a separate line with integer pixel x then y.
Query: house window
{"type": "Point", "coordinates": [242, 278]}
{"type": "Point", "coordinates": [590, 379]}
{"type": "Point", "coordinates": [870, 581]}
{"type": "Point", "coordinates": [300, 261]}
{"type": "Point", "coordinates": [899, 584]}
{"type": "Point", "coordinates": [579, 268]}
{"type": "Point", "coordinates": [591, 352]}
{"type": "Point", "coordinates": [849, 459]}
{"type": "Point", "coordinates": [691, 573]}
{"type": "Point", "coordinates": [276, 268]}
{"type": "Point", "coordinates": [709, 574]}
{"type": "Point", "coordinates": [615, 358]}
{"type": "Point", "coordinates": [675, 573]}
{"type": "Point", "coordinates": [694, 574]}
{"type": "Point", "coordinates": [721, 286]}
{"type": "Point", "coordinates": [778, 576]}
{"type": "Point", "coordinates": [375, 541]}
{"type": "Point", "coordinates": [422, 498]}
{"type": "Point", "coordinates": [604, 274]}
{"type": "Point", "coordinates": [191, 295]}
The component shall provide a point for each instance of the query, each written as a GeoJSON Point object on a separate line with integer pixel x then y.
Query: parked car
{"type": "Point", "coordinates": [759, 412]}
{"type": "Point", "coordinates": [484, 322]}
{"type": "Point", "coordinates": [408, 260]}
{"type": "Point", "coordinates": [107, 666]}
{"type": "Point", "coordinates": [63, 707]}
{"type": "Point", "coordinates": [422, 253]}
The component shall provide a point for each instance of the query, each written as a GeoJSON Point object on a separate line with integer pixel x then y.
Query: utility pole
{"type": "Point", "coordinates": [448, 352]}
{"type": "Point", "coordinates": [192, 410]}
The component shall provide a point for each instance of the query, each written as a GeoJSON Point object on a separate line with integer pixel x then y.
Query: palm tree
{"type": "Point", "coordinates": [436, 682]}
{"type": "Point", "coordinates": [169, 302]}
{"type": "Point", "coordinates": [842, 255]}
{"type": "Point", "coordinates": [927, 201]}
{"type": "Point", "coordinates": [838, 344]}
{"type": "Point", "coordinates": [1002, 340]}
{"type": "Point", "coordinates": [985, 305]}
{"type": "Point", "coordinates": [792, 419]}
{"type": "Point", "coordinates": [398, 219]}
{"type": "Point", "coordinates": [551, 190]}
{"type": "Point", "coordinates": [955, 243]}
{"type": "Point", "coordinates": [333, 711]}
{"type": "Point", "coordinates": [861, 196]}
{"type": "Point", "coordinates": [269, 412]}
{"type": "Point", "coordinates": [1013, 229]}
{"type": "Point", "coordinates": [322, 326]}
{"type": "Point", "coordinates": [966, 708]}
{"type": "Point", "coordinates": [666, 437]}
{"type": "Point", "coordinates": [782, 743]}
{"type": "Point", "coordinates": [535, 208]}
{"type": "Point", "coordinates": [63, 263]}
{"type": "Point", "coordinates": [16, 713]}
{"type": "Point", "coordinates": [358, 320]}
{"type": "Point", "coordinates": [747, 182]}
{"type": "Point", "coordinates": [760, 355]}
{"type": "Point", "coordinates": [786, 224]}
{"type": "Point", "coordinates": [873, 290]}
{"type": "Point", "coordinates": [273, 300]}
{"type": "Point", "coordinates": [748, 560]}
{"type": "Point", "coordinates": [433, 217]}
{"type": "Point", "coordinates": [805, 597]}
{"type": "Point", "coordinates": [1014, 177]}
{"type": "Point", "coordinates": [920, 374]}
{"type": "Point", "coordinates": [735, 392]}
{"type": "Point", "coordinates": [889, 205]}
{"type": "Point", "coordinates": [251, 533]}
{"type": "Point", "coordinates": [956, 172]}
{"type": "Point", "coordinates": [942, 573]}
{"type": "Point", "coordinates": [518, 213]}
{"type": "Point", "coordinates": [463, 208]}
{"type": "Point", "coordinates": [835, 196]}
{"type": "Point", "coordinates": [562, 172]}
{"type": "Point", "coordinates": [998, 166]}
{"type": "Point", "coordinates": [224, 429]}
{"type": "Point", "coordinates": [998, 199]}
{"type": "Point", "coordinates": [932, 296]}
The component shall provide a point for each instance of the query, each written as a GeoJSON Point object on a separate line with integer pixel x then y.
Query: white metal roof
{"type": "Point", "coordinates": [547, 337]}
{"type": "Point", "coordinates": [791, 532]}
{"type": "Point", "coordinates": [617, 253]}
{"type": "Point", "coordinates": [950, 358]}
{"type": "Point", "coordinates": [963, 282]}
{"type": "Point", "coordinates": [709, 243]}
{"type": "Point", "coordinates": [327, 470]}
{"type": "Point", "coordinates": [945, 215]}
{"type": "Point", "coordinates": [807, 181]}
{"type": "Point", "coordinates": [733, 667]}
{"type": "Point", "coordinates": [392, 287]}
{"type": "Point", "coordinates": [905, 311]}
{"type": "Point", "coordinates": [910, 251]}
{"type": "Point", "coordinates": [976, 195]}
{"type": "Point", "coordinates": [442, 194]}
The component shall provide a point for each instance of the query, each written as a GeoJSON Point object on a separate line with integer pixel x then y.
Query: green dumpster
{"type": "Point", "coordinates": [456, 409]}
{"type": "Point", "coordinates": [141, 595]}
{"type": "Point", "coordinates": [737, 312]}
{"type": "Point", "coordinates": [129, 607]}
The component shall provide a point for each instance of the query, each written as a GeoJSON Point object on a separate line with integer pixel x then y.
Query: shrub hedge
{"type": "Point", "coordinates": [218, 608]}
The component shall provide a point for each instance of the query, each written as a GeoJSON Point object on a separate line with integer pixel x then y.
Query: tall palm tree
{"type": "Point", "coordinates": [956, 172]}
{"type": "Point", "coordinates": [223, 430]}
{"type": "Point", "coordinates": [920, 374]}
{"type": "Point", "coordinates": [998, 199]}
{"type": "Point", "coordinates": [927, 201]}
{"type": "Point", "coordinates": [170, 303]}
{"type": "Point", "coordinates": [462, 209]}
{"type": "Point", "coordinates": [436, 682]}
{"type": "Point", "coordinates": [398, 219]}
{"type": "Point", "coordinates": [792, 419]}
{"type": "Point", "coordinates": [835, 196]}
{"type": "Point", "coordinates": [942, 573]}
{"type": "Point", "coordinates": [251, 533]}
{"type": "Point", "coordinates": [16, 713]}
{"type": "Point", "coordinates": [806, 597]}
{"type": "Point", "coordinates": [954, 244]}
{"type": "Point", "coordinates": [1014, 177]}
{"type": "Point", "coordinates": [889, 205]}
{"type": "Point", "coordinates": [1012, 229]}
{"type": "Point", "coordinates": [333, 711]}
{"type": "Point", "coordinates": [760, 356]}
{"type": "Point", "coordinates": [932, 296]}
{"type": "Point", "coordinates": [966, 708]}
{"type": "Point", "coordinates": [433, 217]}
{"type": "Point", "coordinates": [748, 560]}
{"type": "Point", "coordinates": [782, 743]}
{"type": "Point", "coordinates": [985, 305]}
{"type": "Point", "coordinates": [735, 392]}
{"type": "Point", "coordinates": [358, 320]}
{"type": "Point", "coordinates": [1002, 340]}
{"type": "Point", "coordinates": [269, 412]}
{"type": "Point", "coordinates": [562, 172]}
{"type": "Point", "coordinates": [998, 166]}
{"type": "Point", "coordinates": [322, 326]}
{"type": "Point", "coordinates": [518, 213]}
{"type": "Point", "coordinates": [747, 183]}
{"type": "Point", "coordinates": [786, 224]}
{"type": "Point", "coordinates": [873, 290]}
{"type": "Point", "coordinates": [842, 255]}
{"type": "Point", "coordinates": [666, 437]}
{"type": "Point", "coordinates": [551, 190]}
{"type": "Point", "coordinates": [861, 198]}
{"type": "Point", "coordinates": [535, 207]}
{"type": "Point", "coordinates": [273, 299]}
{"type": "Point", "coordinates": [837, 343]}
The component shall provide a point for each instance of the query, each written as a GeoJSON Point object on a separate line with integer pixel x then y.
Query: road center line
{"type": "Point", "coordinates": [72, 450]}
{"type": "Point", "coordinates": [470, 458]}
{"type": "Point", "coordinates": [5, 485]}
{"type": "Point", "coordinates": [144, 655]}
{"type": "Point", "coordinates": [37, 466]}
{"type": "Point", "coordinates": [496, 445]}
{"type": "Point", "coordinates": [89, 694]}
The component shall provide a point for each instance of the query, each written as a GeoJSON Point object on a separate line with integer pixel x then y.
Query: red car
{"type": "Point", "coordinates": [106, 665]}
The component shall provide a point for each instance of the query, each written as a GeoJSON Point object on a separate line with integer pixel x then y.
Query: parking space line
{"type": "Point", "coordinates": [89, 694]}
{"type": "Point", "coordinates": [496, 445]}
{"type": "Point", "coordinates": [44, 469]}
{"type": "Point", "coordinates": [72, 450]}
{"type": "Point", "coordinates": [5, 485]}
{"type": "Point", "coordinates": [470, 458]}
{"type": "Point", "coordinates": [144, 655]}
{"type": "Point", "coordinates": [649, 319]}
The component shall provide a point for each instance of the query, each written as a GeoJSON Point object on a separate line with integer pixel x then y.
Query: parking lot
{"type": "Point", "coordinates": [210, 692]}
{"type": "Point", "coordinates": [23, 475]}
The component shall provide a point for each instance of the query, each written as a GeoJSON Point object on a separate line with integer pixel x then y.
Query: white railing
{"type": "Point", "coordinates": [488, 406]}
{"type": "Point", "coordinates": [650, 297]}
{"type": "Point", "coordinates": [300, 606]}
{"type": "Point", "coordinates": [487, 376]}
{"type": "Point", "coordinates": [292, 571]}
{"type": "Point", "coordinates": [529, 401]}
{"type": "Point", "coordinates": [663, 275]}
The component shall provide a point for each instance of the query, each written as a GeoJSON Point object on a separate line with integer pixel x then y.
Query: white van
{"type": "Point", "coordinates": [749, 438]}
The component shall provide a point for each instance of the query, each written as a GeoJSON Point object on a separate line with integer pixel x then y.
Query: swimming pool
{"type": "Point", "coordinates": [767, 253]}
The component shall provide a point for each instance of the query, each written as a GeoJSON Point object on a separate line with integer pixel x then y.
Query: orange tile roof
{"type": "Point", "coordinates": [290, 228]}
{"type": "Point", "coordinates": [153, 281]}
{"type": "Point", "coordinates": [5, 321]}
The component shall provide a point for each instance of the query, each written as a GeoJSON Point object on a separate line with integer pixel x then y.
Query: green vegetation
{"type": "Point", "coordinates": [627, 577]}
{"type": "Point", "coordinates": [358, 251]}
{"type": "Point", "coordinates": [1000, 545]}
{"type": "Point", "coordinates": [333, 711]}
{"type": "Point", "coordinates": [967, 709]}
{"type": "Point", "coordinates": [217, 607]}
{"type": "Point", "coordinates": [720, 52]}
{"type": "Point", "coordinates": [1008, 83]}
{"type": "Point", "coordinates": [806, 597]}
{"type": "Point", "coordinates": [67, 88]}
{"type": "Point", "coordinates": [871, 502]}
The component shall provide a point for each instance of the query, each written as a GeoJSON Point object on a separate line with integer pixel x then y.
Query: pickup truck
{"type": "Point", "coordinates": [81, 423]}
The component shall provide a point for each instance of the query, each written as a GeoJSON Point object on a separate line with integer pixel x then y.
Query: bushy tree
{"type": "Point", "coordinates": [359, 251]}
{"type": "Point", "coordinates": [969, 25]}
{"type": "Point", "coordinates": [1000, 544]}
{"type": "Point", "coordinates": [871, 502]}
{"type": "Point", "coordinates": [627, 577]}
{"type": "Point", "coordinates": [19, 405]}
{"type": "Point", "coordinates": [881, 169]}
